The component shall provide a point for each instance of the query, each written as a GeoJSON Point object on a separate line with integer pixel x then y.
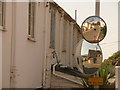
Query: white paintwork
{"type": "Point", "coordinates": [28, 58]}
{"type": "Point", "coordinates": [6, 47]}
{"type": "Point", "coordinates": [30, 61]}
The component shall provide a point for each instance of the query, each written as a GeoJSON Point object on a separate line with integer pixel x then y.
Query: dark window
{"type": "Point", "coordinates": [1, 13]}
{"type": "Point", "coordinates": [65, 35]}
{"type": "Point", "coordinates": [31, 19]}
{"type": "Point", "coordinates": [52, 33]}
{"type": "Point", "coordinates": [78, 61]}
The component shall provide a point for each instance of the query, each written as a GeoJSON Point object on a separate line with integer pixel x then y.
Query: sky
{"type": "Point", "coordinates": [108, 12]}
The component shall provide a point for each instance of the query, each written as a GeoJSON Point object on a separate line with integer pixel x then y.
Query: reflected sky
{"type": "Point", "coordinates": [93, 20]}
{"type": "Point", "coordinates": [88, 46]}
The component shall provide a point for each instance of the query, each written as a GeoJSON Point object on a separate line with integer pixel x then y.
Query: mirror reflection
{"type": "Point", "coordinates": [94, 29]}
{"type": "Point", "coordinates": [88, 57]}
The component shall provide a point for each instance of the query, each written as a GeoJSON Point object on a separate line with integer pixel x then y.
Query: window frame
{"type": "Point", "coordinates": [31, 20]}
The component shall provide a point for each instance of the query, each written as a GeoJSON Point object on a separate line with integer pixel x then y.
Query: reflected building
{"type": "Point", "coordinates": [94, 59]}
{"type": "Point", "coordinates": [94, 53]}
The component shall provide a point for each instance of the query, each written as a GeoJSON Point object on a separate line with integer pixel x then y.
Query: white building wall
{"type": "Point", "coordinates": [27, 59]}
{"type": "Point", "coordinates": [71, 45]}
{"type": "Point", "coordinates": [57, 34]}
{"type": "Point", "coordinates": [67, 59]}
{"type": "Point", "coordinates": [6, 47]}
{"type": "Point", "coordinates": [30, 62]}
{"type": "Point", "coordinates": [64, 32]}
{"type": "Point", "coordinates": [64, 48]}
{"type": "Point", "coordinates": [48, 55]}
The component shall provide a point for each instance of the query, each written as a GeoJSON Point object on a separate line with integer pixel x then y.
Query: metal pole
{"type": "Point", "coordinates": [97, 8]}
{"type": "Point", "coordinates": [76, 15]}
{"type": "Point", "coordinates": [97, 13]}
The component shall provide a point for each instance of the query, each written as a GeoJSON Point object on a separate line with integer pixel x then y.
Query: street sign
{"type": "Point", "coordinates": [95, 81]}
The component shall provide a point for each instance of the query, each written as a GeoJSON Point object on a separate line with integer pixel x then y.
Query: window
{"type": "Point", "coordinates": [64, 35]}
{"type": "Point", "coordinates": [1, 14]}
{"type": "Point", "coordinates": [52, 33]}
{"type": "Point", "coordinates": [31, 18]}
{"type": "Point", "coordinates": [78, 36]}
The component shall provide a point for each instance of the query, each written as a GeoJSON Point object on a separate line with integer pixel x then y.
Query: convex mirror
{"type": "Point", "coordinates": [94, 29]}
{"type": "Point", "coordinates": [88, 57]}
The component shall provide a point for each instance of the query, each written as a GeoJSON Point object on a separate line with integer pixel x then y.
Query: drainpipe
{"type": "Point", "coordinates": [12, 67]}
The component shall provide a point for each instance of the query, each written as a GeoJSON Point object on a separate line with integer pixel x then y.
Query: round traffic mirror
{"type": "Point", "coordinates": [88, 57]}
{"type": "Point", "coordinates": [94, 29]}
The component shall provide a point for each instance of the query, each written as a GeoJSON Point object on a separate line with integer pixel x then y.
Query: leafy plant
{"type": "Point", "coordinates": [115, 59]}
{"type": "Point", "coordinates": [106, 72]}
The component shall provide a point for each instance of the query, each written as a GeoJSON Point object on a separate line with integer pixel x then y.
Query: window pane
{"type": "Point", "coordinates": [52, 35]}
{"type": "Point", "coordinates": [31, 18]}
{"type": "Point", "coordinates": [64, 35]}
{"type": "Point", "coordinates": [1, 13]}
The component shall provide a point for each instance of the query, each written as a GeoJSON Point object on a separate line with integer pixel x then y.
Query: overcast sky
{"type": "Point", "coordinates": [108, 11]}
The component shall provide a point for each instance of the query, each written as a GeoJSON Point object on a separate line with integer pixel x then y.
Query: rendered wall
{"type": "Point", "coordinates": [24, 57]}
{"type": "Point", "coordinates": [27, 64]}
{"type": "Point", "coordinates": [6, 47]}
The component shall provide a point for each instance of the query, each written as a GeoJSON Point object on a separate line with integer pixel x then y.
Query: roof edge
{"type": "Point", "coordinates": [61, 10]}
